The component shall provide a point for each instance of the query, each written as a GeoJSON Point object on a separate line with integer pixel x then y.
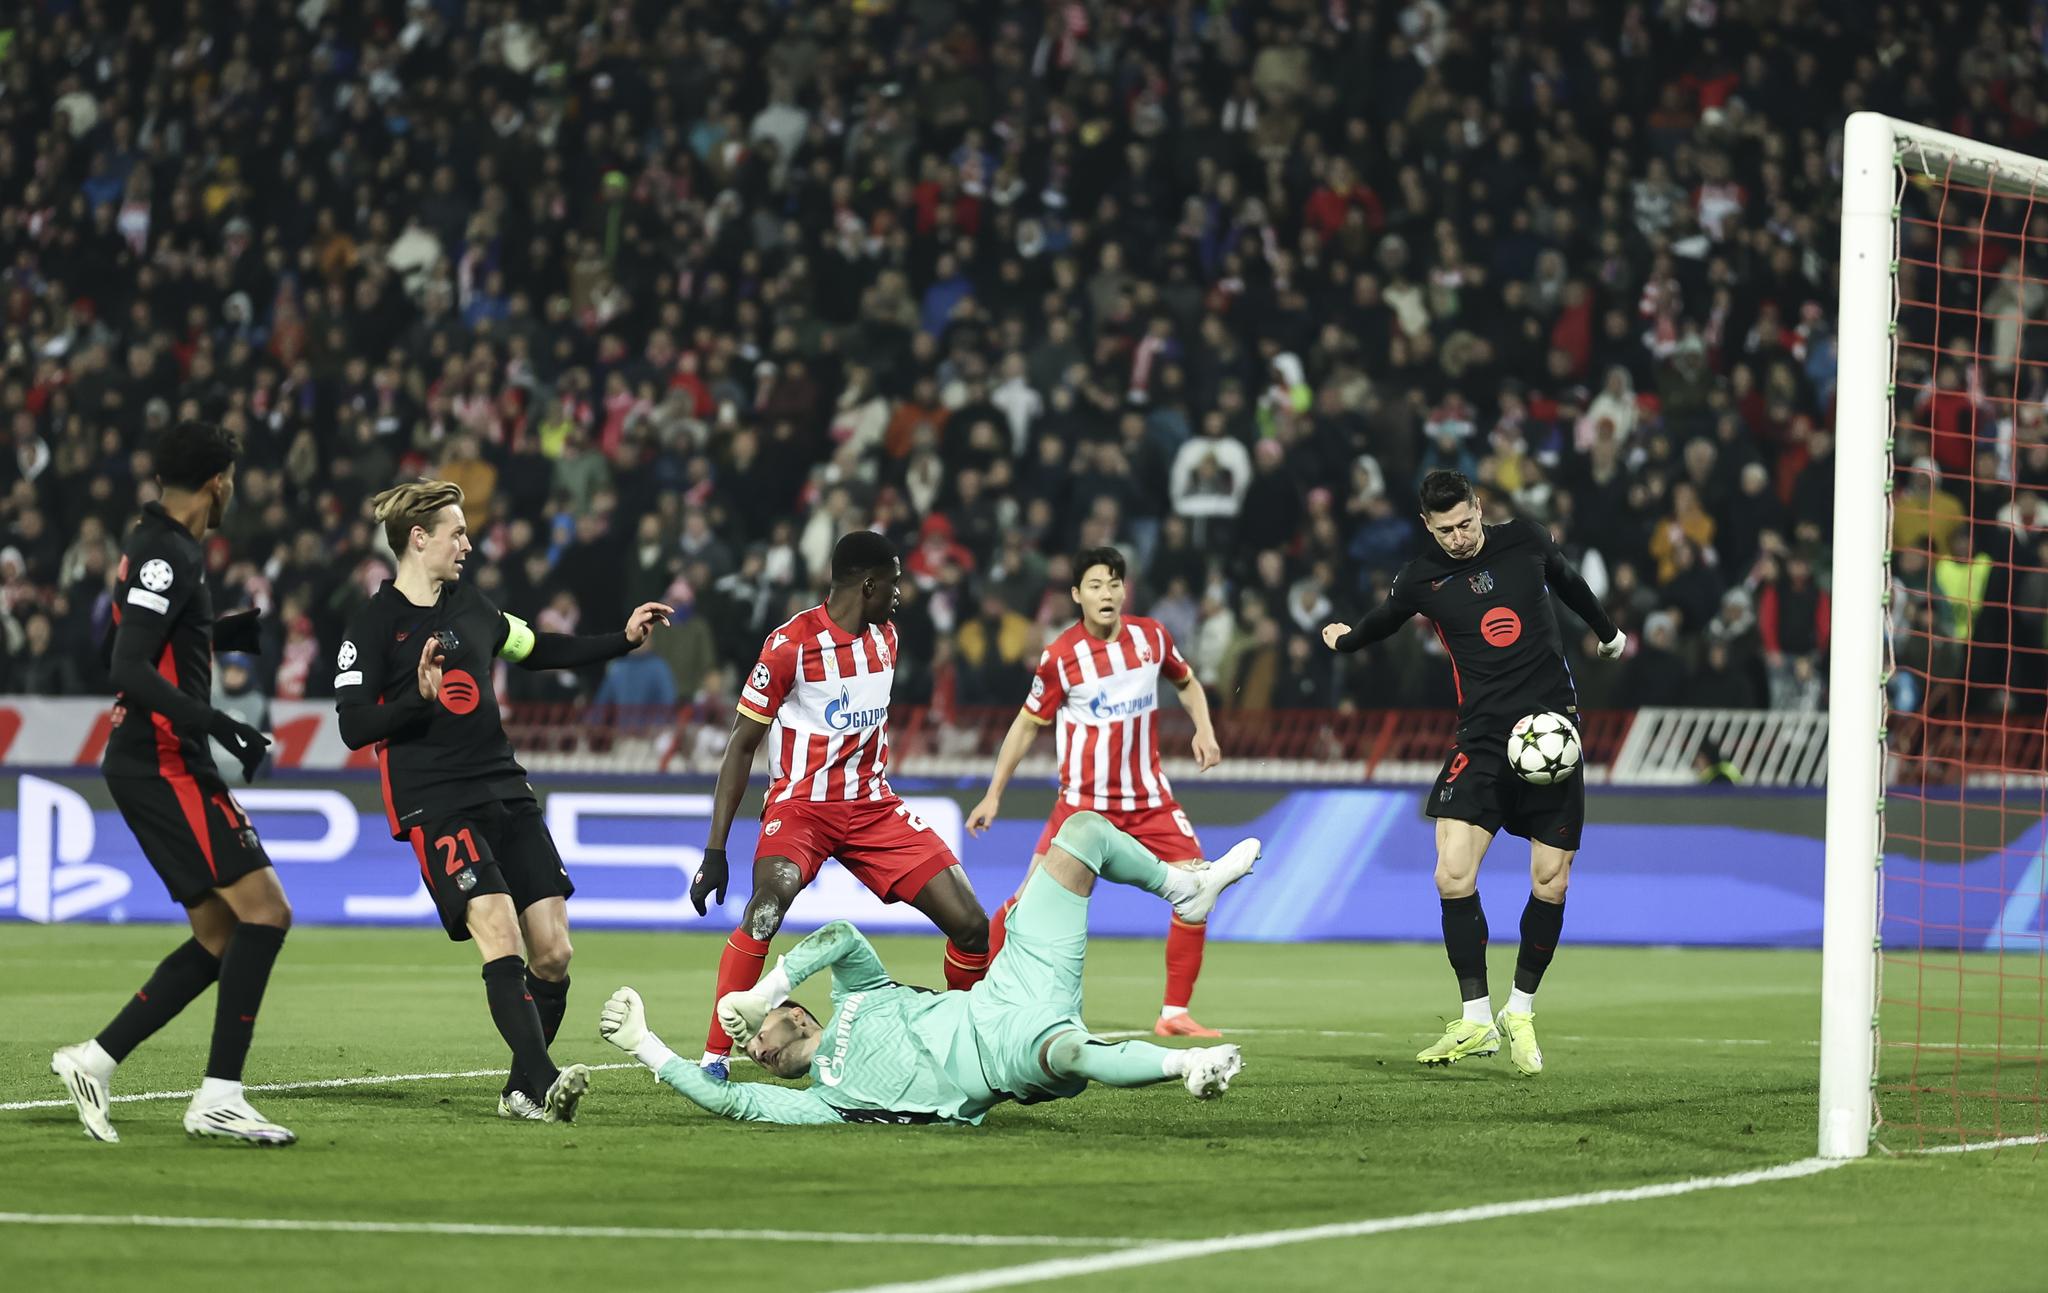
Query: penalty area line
{"type": "Point", "coordinates": [317, 1084]}
{"type": "Point", "coordinates": [322, 1226]}
{"type": "Point", "coordinates": [1060, 1268]}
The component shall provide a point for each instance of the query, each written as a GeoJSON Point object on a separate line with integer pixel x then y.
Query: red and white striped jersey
{"type": "Point", "coordinates": [1106, 698]}
{"type": "Point", "coordinates": [825, 694]}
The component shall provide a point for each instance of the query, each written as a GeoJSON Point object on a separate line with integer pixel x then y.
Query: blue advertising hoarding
{"type": "Point", "coordinates": [1339, 864]}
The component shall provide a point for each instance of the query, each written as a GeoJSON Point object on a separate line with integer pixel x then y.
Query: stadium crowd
{"type": "Point", "coordinates": [679, 292]}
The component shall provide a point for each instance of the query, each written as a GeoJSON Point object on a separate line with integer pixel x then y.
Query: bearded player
{"type": "Point", "coordinates": [415, 681]}
{"type": "Point", "coordinates": [903, 1055]}
{"type": "Point", "coordinates": [1101, 678]}
{"type": "Point", "coordinates": [819, 694]}
{"type": "Point", "coordinates": [1487, 589]}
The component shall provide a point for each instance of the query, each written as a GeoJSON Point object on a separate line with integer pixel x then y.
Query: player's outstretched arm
{"type": "Point", "coordinates": [1016, 743]}
{"type": "Point", "coordinates": [1378, 623]}
{"type": "Point", "coordinates": [748, 730]}
{"type": "Point", "coordinates": [1573, 590]}
{"type": "Point", "coordinates": [536, 651]}
{"type": "Point", "coordinates": [747, 1101]}
{"type": "Point", "coordinates": [623, 1023]}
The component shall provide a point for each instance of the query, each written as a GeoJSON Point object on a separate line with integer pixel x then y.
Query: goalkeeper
{"type": "Point", "coordinates": [898, 1054]}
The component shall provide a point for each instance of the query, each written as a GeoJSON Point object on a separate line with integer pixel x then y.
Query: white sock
{"type": "Point", "coordinates": [1479, 1011]}
{"type": "Point", "coordinates": [216, 1091]}
{"type": "Point", "coordinates": [653, 1053]}
{"type": "Point", "coordinates": [1521, 1003]}
{"type": "Point", "coordinates": [1180, 885]}
{"type": "Point", "coordinates": [97, 1062]}
{"type": "Point", "coordinates": [1172, 1012]}
{"type": "Point", "coordinates": [710, 1057]}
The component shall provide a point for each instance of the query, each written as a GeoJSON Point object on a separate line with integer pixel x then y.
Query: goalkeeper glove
{"type": "Point", "coordinates": [741, 1013]}
{"type": "Point", "coordinates": [1614, 646]}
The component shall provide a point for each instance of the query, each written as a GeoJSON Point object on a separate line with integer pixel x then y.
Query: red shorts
{"type": "Point", "coordinates": [886, 846]}
{"type": "Point", "coordinates": [1164, 831]}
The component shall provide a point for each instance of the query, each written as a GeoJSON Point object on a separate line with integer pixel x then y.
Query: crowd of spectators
{"type": "Point", "coordinates": [680, 291]}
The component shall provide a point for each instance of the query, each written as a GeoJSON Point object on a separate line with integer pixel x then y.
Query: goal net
{"type": "Point", "coordinates": [1935, 971]}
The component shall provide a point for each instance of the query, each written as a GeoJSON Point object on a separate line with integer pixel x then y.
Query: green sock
{"type": "Point", "coordinates": [1112, 1063]}
{"type": "Point", "coordinates": [1113, 855]}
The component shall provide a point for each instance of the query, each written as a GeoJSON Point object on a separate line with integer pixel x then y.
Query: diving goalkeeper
{"type": "Point", "coordinates": [897, 1054]}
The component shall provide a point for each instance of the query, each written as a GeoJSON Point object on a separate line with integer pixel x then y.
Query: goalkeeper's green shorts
{"type": "Point", "coordinates": [1033, 991]}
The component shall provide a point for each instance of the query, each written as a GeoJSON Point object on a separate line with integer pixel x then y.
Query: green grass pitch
{"type": "Point", "coordinates": [1663, 1065]}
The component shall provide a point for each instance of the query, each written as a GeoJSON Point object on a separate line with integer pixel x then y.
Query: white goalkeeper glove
{"type": "Point", "coordinates": [741, 1013]}
{"type": "Point", "coordinates": [1614, 646]}
{"type": "Point", "coordinates": [623, 1022]}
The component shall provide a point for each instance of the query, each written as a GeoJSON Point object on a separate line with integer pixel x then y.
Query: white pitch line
{"type": "Point", "coordinates": [552, 1232]}
{"type": "Point", "coordinates": [1152, 1254]}
{"type": "Point", "coordinates": [321, 1084]}
{"type": "Point", "coordinates": [1977, 1146]}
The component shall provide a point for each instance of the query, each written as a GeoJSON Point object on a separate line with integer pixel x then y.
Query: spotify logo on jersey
{"type": "Point", "coordinates": [1500, 627]}
{"type": "Point", "coordinates": [458, 692]}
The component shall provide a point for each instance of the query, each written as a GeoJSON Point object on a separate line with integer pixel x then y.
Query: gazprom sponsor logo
{"type": "Point", "coordinates": [1102, 707]}
{"type": "Point", "coordinates": [841, 716]}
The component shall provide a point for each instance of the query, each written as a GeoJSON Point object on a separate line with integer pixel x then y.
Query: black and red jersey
{"type": "Point", "coordinates": [454, 753]}
{"type": "Point", "coordinates": [161, 594]}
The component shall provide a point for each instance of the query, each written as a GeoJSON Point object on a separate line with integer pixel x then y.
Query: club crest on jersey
{"type": "Point", "coordinates": [1482, 583]}
{"type": "Point", "coordinates": [841, 716]}
{"type": "Point", "coordinates": [1144, 648]}
{"type": "Point", "coordinates": [772, 827]}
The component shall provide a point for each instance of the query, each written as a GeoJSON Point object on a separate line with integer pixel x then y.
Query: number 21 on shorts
{"type": "Point", "coordinates": [450, 862]}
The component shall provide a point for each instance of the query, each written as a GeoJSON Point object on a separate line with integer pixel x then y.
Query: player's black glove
{"type": "Point", "coordinates": [711, 875]}
{"type": "Point", "coordinates": [243, 741]}
{"type": "Point", "coordinates": [238, 631]}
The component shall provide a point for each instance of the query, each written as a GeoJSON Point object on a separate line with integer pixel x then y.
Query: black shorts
{"type": "Point", "coordinates": [1477, 786]}
{"type": "Point", "coordinates": [498, 847]}
{"type": "Point", "coordinates": [191, 830]}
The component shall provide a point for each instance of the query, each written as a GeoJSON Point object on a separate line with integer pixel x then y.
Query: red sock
{"type": "Point", "coordinates": [739, 968]}
{"type": "Point", "coordinates": [999, 926]}
{"type": "Point", "coordinates": [964, 969]}
{"type": "Point", "coordinates": [1183, 960]}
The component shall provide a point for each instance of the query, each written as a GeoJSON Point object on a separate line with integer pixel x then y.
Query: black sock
{"type": "Point", "coordinates": [1465, 940]}
{"type": "Point", "coordinates": [518, 1021]}
{"type": "Point", "coordinates": [1542, 923]}
{"type": "Point", "coordinates": [177, 981]}
{"type": "Point", "coordinates": [550, 999]}
{"type": "Point", "coordinates": [244, 974]}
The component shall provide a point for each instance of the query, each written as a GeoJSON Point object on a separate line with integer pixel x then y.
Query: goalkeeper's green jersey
{"type": "Point", "coordinates": [889, 1053]}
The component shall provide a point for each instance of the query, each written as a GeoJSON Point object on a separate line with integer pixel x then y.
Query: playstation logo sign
{"type": "Point", "coordinates": [48, 879]}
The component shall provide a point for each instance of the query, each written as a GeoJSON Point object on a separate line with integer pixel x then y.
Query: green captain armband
{"type": "Point", "coordinates": [518, 639]}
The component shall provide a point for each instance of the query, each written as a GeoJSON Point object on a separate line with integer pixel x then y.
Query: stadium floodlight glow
{"type": "Point", "coordinates": [1966, 1019]}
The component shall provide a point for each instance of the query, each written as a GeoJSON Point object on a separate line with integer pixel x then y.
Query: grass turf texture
{"type": "Point", "coordinates": [1662, 1065]}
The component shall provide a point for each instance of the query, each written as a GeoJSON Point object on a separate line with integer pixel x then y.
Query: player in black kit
{"type": "Point", "coordinates": [1488, 592]}
{"type": "Point", "coordinates": [163, 779]}
{"type": "Point", "coordinates": [414, 679]}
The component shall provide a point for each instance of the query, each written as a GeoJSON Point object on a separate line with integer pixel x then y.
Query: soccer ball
{"type": "Point", "coordinates": [1544, 748]}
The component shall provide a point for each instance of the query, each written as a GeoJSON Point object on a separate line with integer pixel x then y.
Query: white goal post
{"type": "Point", "coordinates": [1878, 154]}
